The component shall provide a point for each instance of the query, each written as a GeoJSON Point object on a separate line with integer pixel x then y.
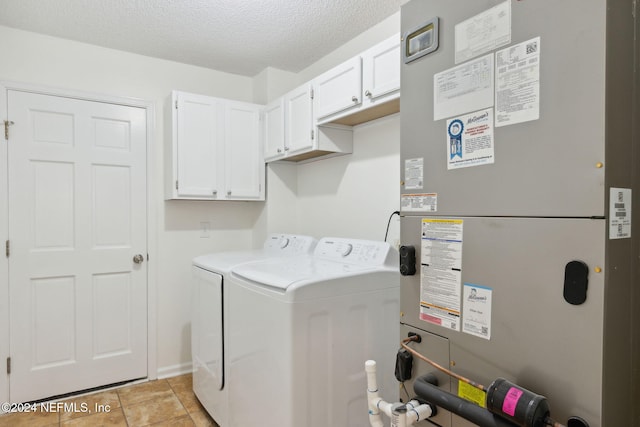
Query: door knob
{"type": "Point", "coordinates": [138, 259]}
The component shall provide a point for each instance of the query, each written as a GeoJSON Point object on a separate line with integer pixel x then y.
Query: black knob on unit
{"type": "Point", "coordinates": [576, 282]}
{"type": "Point", "coordinates": [407, 260]}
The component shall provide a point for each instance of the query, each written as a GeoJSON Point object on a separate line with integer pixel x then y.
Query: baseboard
{"type": "Point", "coordinates": [175, 370]}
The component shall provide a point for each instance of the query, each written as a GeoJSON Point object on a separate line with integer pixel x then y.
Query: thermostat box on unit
{"type": "Point", "coordinates": [420, 41]}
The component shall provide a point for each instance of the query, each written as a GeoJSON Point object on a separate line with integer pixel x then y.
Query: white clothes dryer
{"type": "Point", "coordinates": [209, 322]}
{"type": "Point", "coordinates": [301, 330]}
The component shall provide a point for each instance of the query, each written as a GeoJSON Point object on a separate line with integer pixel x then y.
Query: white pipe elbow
{"type": "Point", "coordinates": [418, 413]}
{"type": "Point", "coordinates": [385, 407]}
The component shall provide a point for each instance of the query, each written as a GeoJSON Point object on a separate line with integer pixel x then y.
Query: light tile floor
{"type": "Point", "coordinates": [168, 402]}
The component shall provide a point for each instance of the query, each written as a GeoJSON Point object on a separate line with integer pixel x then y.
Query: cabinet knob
{"type": "Point", "coordinates": [214, 192]}
{"type": "Point", "coordinates": [368, 93]}
{"type": "Point", "coordinates": [229, 193]}
{"type": "Point", "coordinates": [354, 98]}
{"type": "Point", "coordinates": [279, 150]}
{"type": "Point", "coordinates": [286, 148]}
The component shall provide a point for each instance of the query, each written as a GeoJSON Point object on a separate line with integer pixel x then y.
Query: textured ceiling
{"type": "Point", "coordinates": [236, 36]}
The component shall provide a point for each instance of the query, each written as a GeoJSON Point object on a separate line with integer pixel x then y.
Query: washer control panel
{"type": "Point", "coordinates": [366, 252]}
{"type": "Point", "coordinates": [289, 244]}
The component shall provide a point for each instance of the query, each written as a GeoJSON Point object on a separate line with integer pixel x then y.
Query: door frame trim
{"type": "Point", "coordinates": [5, 86]}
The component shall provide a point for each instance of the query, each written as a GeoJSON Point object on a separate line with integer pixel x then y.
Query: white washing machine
{"type": "Point", "coordinates": [210, 318]}
{"type": "Point", "coordinates": [301, 329]}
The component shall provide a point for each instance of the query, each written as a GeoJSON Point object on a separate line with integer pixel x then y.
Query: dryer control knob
{"type": "Point", "coordinates": [284, 242]}
{"type": "Point", "coordinates": [346, 250]}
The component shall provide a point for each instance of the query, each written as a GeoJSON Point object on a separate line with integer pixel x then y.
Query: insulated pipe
{"type": "Point", "coordinates": [373, 397]}
{"type": "Point", "coordinates": [452, 403]}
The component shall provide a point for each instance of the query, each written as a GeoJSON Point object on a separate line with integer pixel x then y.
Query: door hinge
{"type": "Point", "coordinates": [7, 123]}
{"type": "Point", "coordinates": [312, 93]}
{"type": "Point", "coordinates": [312, 134]}
{"type": "Point", "coordinates": [176, 184]}
{"type": "Point", "coordinates": [176, 104]}
{"type": "Point", "coordinates": [7, 248]}
{"type": "Point", "coordinates": [8, 365]}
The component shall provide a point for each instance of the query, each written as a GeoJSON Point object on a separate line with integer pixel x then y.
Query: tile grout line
{"type": "Point", "coordinates": [181, 403]}
{"type": "Point", "coordinates": [124, 414]}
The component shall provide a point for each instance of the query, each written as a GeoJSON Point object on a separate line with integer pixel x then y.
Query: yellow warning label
{"type": "Point", "coordinates": [471, 393]}
{"type": "Point", "coordinates": [441, 221]}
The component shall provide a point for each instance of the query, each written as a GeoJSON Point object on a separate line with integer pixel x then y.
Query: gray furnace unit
{"type": "Point", "coordinates": [520, 159]}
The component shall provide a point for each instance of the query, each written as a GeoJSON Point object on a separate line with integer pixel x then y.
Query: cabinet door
{"type": "Point", "coordinates": [198, 142]}
{"type": "Point", "coordinates": [274, 142]}
{"type": "Point", "coordinates": [381, 69]}
{"type": "Point", "coordinates": [339, 88]}
{"type": "Point", "coordinates": [244, 160]}
{"type": "Point", "coordinates": [299, 120]}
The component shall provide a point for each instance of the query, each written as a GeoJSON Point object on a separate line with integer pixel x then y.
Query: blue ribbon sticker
{"type": "Point", "coordinates": [455, 138]}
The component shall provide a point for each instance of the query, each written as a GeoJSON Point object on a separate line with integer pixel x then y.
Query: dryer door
{"type": "Point", "coordinates": [207, 335]}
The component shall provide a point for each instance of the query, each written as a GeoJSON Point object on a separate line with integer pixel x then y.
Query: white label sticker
{"type": "Point", "coordinates": [441, 272]}
{"type": "Point", "coordinates": [422, 202]}
{"type": "Point", "coordinates": [518, 83]}
{"type": "Point", "coordinates": [470, 140]}
{"type": "Point", "coordinates": [483, 33]}
{"type": "Point", "coordinates": [413, 173]}
{"type": "Point", "coordinates": [464, 88]}
{"type": "Point", "coordinates": [476, 312]}
{"type": "Point", "coordinates": [619, 213]}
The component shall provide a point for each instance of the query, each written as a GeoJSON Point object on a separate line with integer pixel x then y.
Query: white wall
{"type": "Point", "coordinates": [271, 83]}
{"type": "Point", "coordinates": [354, 195]}
{"type": "Point", "coordinates": [42, 60]}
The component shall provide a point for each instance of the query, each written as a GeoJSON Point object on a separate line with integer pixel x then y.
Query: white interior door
{"type": "Point", "coordinates": [77, 218]}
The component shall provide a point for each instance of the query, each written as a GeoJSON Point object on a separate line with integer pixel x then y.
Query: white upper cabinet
{"type": "Point", "coordinates": [274, 130]}
{"type": "Point", "coordinates": [301, 138]}
{"type": "Point", "coordinates": [381, 71]}
{"type": "Point", "coordinates": [244, 162]}
{"type": "Point", "coordinates": [299, 120]}
{"type": "Point", "coordinates": [289, 125]}
{"type": "Point", "coordinates": [218, 147]}
{"type": "Point", "coordinates": [197, 129]}
{"type": "Point", "coordinates": [214, 149]}
{"type": "Point", "coordinates": [339, 88]}
{"type": "Point", "coordinates": [364, 88]}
